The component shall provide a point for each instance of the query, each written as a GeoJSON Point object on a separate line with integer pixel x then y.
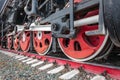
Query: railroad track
{"type": "Point", "coordinates": [84, 30]}
{"type": "Point", "coordinates": [68, 68]}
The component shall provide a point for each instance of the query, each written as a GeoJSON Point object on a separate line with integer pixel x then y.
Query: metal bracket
{"type": "Point", "coordinates": [57, 29]}
{"type": "Point", "coordinates": [101, 27]}
{"type": "Point", "coordinates": [34, 8]}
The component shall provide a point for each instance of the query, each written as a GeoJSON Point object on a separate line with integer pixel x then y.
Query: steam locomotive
{"type": "Point", "coordinates": [82, 29]}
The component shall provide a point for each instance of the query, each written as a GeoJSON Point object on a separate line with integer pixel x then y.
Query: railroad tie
{"type": "Point", "coordinates": [8, 53]}
{"type": "Point", "coordinates": [22, 58]}
{"type": "Point", "coordinates": [18, 56]}
{"type": "Point", "coordinates": [37, 64]}
{"type": "Point", "coordinates": [69, 75]}
{"type": "Point", "coordinates": [98, 77]}
{"type": "Point", "coordinates": [29, 59]}
{"type": "Point", "coordinates": [32, 61]}
{"type": "Point", "coordinates": [56, 70]}
{"type": "Point", "coordinates": [46, 66]}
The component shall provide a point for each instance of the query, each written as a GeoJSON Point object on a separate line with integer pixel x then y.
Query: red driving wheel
{"type": "Point", "coordinates": [42, 42]}
{"type": "Point", "coordinates": [83, 47]}
{"type": "Point", "coordinates": [16, 44]}
{"type": "Point", "coordinates": [9, 42]}
{"type": "Point", "coordinates": [25, 41]}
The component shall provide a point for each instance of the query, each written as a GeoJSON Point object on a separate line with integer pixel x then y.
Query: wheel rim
{"type": "Point", "coordinates": [9, 42]}
{"type": "Point", "coordinates": [42, 42]}
{"type": "Point", "coordinates": [16, 43]}
{"type": "Point", "coordinates": [83, 48]}
{"type": "Point", "coordinates": [25, 41]}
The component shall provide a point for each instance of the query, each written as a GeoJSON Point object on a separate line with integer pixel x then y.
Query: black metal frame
{"type": "Point", "coordinates": [58, 26]}
{"type": "Point", "coordinates": [66, 11]}
{"type": "Point", "coordinates": [2, 5]}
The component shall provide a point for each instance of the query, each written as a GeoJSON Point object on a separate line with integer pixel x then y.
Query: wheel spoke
{"type": "Point", "coordinates": [25, 41]}
{"type": "Point", "coordinates": [42, 42]}
{"type": "Point", "coordinates": [9, 42]}
{"type": "Point", "coordinates": [16, 43]}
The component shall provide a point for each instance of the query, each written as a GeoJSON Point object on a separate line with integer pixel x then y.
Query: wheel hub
{"type": "Point", "coordinates": [23, 37]}
{"type": "Point", "coordinates": [39, 35]}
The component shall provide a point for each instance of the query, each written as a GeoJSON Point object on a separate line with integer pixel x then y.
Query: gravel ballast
{"type": "Point", "coordinates": [13, 69]}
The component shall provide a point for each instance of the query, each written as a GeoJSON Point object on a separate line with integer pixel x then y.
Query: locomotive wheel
{"type": "Point", "coordinates": [25, 41]}
{"type": "Point", "coordinates": [111, 18]}
{"type": "Point", "coordinates": [83, 47]}
{"type": "Point", "coordinates": [16, 43]}
{"type": "Point", "coordinates": [42, 42]}
{"type": "Point", "coordinates": [9, 42]}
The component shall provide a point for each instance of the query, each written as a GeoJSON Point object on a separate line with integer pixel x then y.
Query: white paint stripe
{"type": "Point", "coordinates": [27, 60]}
{"type": "Point", "coordinates": [14, 55]}
{"type": "Point", "coordinates": [32, 61]}
{"type": "Point", "coordinates": [98, 77]}
{"type": "Point", "coordinates": [22, 58]}
{"type": "Point", "coordinates": [69, 75]}
{"type": "Point", "coordinates": [46, 66]}
{"type": "Point", "coordinates": [37, 64]}
{"type": "Point", "coordinates": [8, 53]}
{"type": "Point", "coordinates": [19, 56]}
{"type": "Point", "coordinates": [56, 70]}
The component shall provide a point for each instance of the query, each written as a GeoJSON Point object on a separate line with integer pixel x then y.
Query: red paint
{"type": "Point", "coordinates": [9, 42]}
{"type": "Point", "coordinates": [82, 46]}
{"type": "Point", "coordinates": [41, 44]}
{"type": "Point", "coordinates": [25, 44]}
{"type": "Point", "coordinates": [16, 43]}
